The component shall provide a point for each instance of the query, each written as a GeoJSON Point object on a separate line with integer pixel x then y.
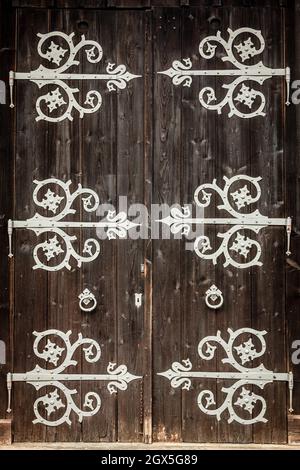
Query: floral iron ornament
{"type": "Point", "coordinates": [232, 241]}
{"type": "Point", "coordinates": [61, 397]}
{"type": "Point", "coordinates": [64, 95]}
{"type": "Point", "coordinates": [61, 244]}
{"type": "Point", "coordinates": [238, 91]}
{"type": "Point", "coordinates": [239, 395]}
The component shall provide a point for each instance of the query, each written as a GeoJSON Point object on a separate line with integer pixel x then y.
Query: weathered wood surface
{"type": "Point", "coordinates": [6, 192]}
{"type": "Point", "coordinates": [152, 142]}
{"type": "Point", "coordinates": [167, 309]}
{"type": "Point", "coordinates": [292, 140]}
{"type": "Point", "coordinates": [145, 3]}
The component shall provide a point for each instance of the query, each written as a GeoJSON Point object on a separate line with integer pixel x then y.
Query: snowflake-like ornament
{"type": "Point", "coordinates": [52, 402]}
{"type": "Point", "coordinates": [51, 201]}
{"type": "Point", "coordinates": [242, 245]}
{"type": "Point", "coordinates": [246, 49]}
{"type": "Point", "coordinates": [52, 353]}
{"type": "Point", "coordinates": [54, 100]}
{"type": "Point", "coordinates": [51, 248]}
{"type": "Point", "coordinates": [55, 53]}
{"type": "Point", "coordinates": [242, 197]}
{"type": "Point", "coordinates": [247, 400]}
{"type": "Point", "coordinates": [246, 96]}
{"type": "Point", "coordinates": [246, 351]}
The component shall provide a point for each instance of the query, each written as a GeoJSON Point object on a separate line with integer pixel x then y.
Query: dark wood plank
{"type": "Point", "coordinates": [166, 253]}
{"type": "Point", "coordinates": [30, 303]}
{"type": "Point", "coordinates": [130, 171]}
{"type": "Point", "coordinates": [292, 143]}
{"type": "Point", "coordinates": [6, 190]}
{"type": "Point", "coordinates": [65, 156]}
{"type": "Point", "coordinates": [268, 282]}
{"type": "Point", "coordinates": [58, 4]}
{"type": "Point", "coordinates": [99, 173]}
{"type": "Point", "coordinates": [148, 247]}
{"type": "Point", "coordinates": [232, 158]}
{"type": "Point", "coordinates": [128, 3]}
{"type": "Point", "coordinates": [198, 137]}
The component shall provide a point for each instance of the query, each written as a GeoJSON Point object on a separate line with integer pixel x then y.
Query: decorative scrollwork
{"type": "Point", "coordinates": [55, 53]}
{"type": "Point", "coordinates": [238, 91]}
{"type": "Point", "coordinates": [238, 394]}
{"type": "Point", "coordinates": [51, 353]}
{"type": "Point", "coordinates": [87, 301]}
{"type": "Point", "coordinates": [233, 241]}
{"type": "Point", "coordinates": [63, 95]}
{"type": "Point", "coordinates": [178, 220]}
{"type": "Point", "coordinates": [212, 295]}
{"type": "Point", "coordinates": [51, 200]}
{"type": "Point", "coordinates": [118, 225]}
{"type": "Point", "coordinates": [245, 49]}
{"type": "Point", "coordinates": [243, 94]}
{"type": "Point", "coordinates": [120, 377]}
{"type": "Point", "coordinates": [54, 100]}
{"type": "Point", "coordinates": [246, 351]}
{"type": "Point", "coordinates": [241, 198]}
{"type": "Point", "coordinates": [61, 397]}
{"type": "Point", "coordinates": [59, 246]}
{"type": "Point", "coordinates": [241, 245]}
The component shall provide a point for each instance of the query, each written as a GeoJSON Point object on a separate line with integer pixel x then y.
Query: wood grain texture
{"type": "Point", "coordinates": [148, 246]}
{"type": "Point", "coordinates": [198, 165]}
{"type": "Point", "coordinates": [65, 163]}
{"type": "Point", "coordinates": [99, 173]}
{"type": "Point", "coordinates": [6, 195]}
{"type": "Point", "coordinates": [130, 252]}
{"type": "Point", "coordinates": [292, 140]}
{"type": "Point", "coordinates": [31, 290]}
{"type": "Point", "coordinates": [167, 313]}
{"type": "Point", "coordinates": [268, 161]}
{"type": "Point", "coordinates": [153, 142]}
{"type": "Point", "coordinates": [232, 158]}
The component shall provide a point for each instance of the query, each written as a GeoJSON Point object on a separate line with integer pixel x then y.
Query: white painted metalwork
{"type": "Point", "coordinates": [2, 92]}
{"type": "Point", "coordinates": [182, 221]}
{"type": "Point", "coordinates": [63, 95]}
{"type": "Point", "coordinates": [2, 352]}
{"type": "Point", "coordinates": [116, 225]}
{"type": "Point", "coordinates": [212, 295]}
{"type": "Point", "coordinates": [61, 397]}
{"type": "Point", "coordinates": [138, 299]}
{"type": "Point", "coordinates": [236, 91]}
{"type": "Point", "coordinates": [87, 301]}
{"type": "Point", "coordinates": [240, 393]}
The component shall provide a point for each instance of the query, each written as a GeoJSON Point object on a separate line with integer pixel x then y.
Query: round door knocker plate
{"type": "Point", "coordinates": [211, 297]}
{"type": "Point", "coordinates": [87, 301]}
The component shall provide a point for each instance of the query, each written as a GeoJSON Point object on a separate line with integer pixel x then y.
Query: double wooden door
{"type": "Point", "coordinates": [153, 143]}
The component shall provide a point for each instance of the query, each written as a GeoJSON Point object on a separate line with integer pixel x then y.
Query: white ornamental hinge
{"type": "Point", "coordinates": [182, 222]}
{"type": "Point", "coordinates": [63, 95]}
{"type": "Point", "coordinates": [60, 396]}
{"type": "Point", "coordinates": [59, 247]}
{"type": "Point", "coordinates": [250, 101]}
{"type": "Point", "coordinates": [239, 393]}
{"type": "Point", "coordinates": [61, 244]}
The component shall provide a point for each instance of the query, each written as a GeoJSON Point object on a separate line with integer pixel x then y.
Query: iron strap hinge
{"type": "Point", "coordinates": [178, 221]}
{"type": "Point", "coordinates": [181, 375]}
{"type": "Point", "coordinates": [118, 377]}
{"type": "Point", "coordinates": [116, 77]}
{"type": "Point", "coordinates": [236, 92]}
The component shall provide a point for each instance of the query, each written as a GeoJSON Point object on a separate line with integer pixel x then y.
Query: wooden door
{"type": "Point", "coordinates": [103, 152]}
{"type": "Point", "coordinates": [154, 143]}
